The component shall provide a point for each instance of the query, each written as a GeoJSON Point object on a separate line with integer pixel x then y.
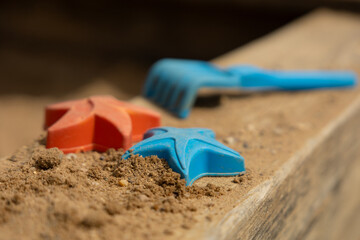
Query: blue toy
{"type": "Point", "coordinates": [174, 83]}
{"type": "Point", "coordinates": [192, 152]}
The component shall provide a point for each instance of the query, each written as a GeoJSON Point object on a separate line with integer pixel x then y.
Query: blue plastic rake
{"type": "Point", "coordinates": [174, 83]}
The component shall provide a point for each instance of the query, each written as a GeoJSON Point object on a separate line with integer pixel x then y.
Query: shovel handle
{"type": "Point", "coordinates": [252, 77]}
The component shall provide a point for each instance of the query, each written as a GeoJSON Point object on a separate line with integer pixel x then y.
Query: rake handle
{"type": "Point", "coordinates": [251, 77]}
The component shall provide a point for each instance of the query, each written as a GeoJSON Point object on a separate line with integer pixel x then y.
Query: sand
{"type": "Point", "coordinates": [95, 195]}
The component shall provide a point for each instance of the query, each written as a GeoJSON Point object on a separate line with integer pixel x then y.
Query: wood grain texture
{"type": "Point", "coordinates": [314, 186]}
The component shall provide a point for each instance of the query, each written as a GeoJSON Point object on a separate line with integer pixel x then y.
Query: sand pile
{"type": "Point", "coordinates": [46, 194]}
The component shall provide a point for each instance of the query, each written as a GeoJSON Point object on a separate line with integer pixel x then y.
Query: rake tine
{"type": "Point", "coordinates": [161, 87]}
{"type": "Point", "coordinates": [152, 79]}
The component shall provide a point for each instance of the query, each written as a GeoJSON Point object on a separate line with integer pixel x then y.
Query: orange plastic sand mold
{"type": "Point", "coordinates": [96, 123]}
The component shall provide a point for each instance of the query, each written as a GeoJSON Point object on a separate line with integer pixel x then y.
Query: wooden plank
{"type": "Point", "coordinates": [298, 195]}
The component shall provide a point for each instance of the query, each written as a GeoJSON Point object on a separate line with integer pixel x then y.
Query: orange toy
{"type": "Point", "coordinates": [96, 123]}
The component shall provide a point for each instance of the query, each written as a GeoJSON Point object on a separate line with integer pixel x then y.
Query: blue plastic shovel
{"type": "Point", "coordinates": [174, 83]}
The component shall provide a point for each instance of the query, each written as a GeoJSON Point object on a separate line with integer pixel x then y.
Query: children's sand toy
{"type": "Point", "coordinates": [174, 83]}
{"type": "Point", "coordinates": [192, 152]}
{"type": "Point", "coordinates": [96, 123]}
